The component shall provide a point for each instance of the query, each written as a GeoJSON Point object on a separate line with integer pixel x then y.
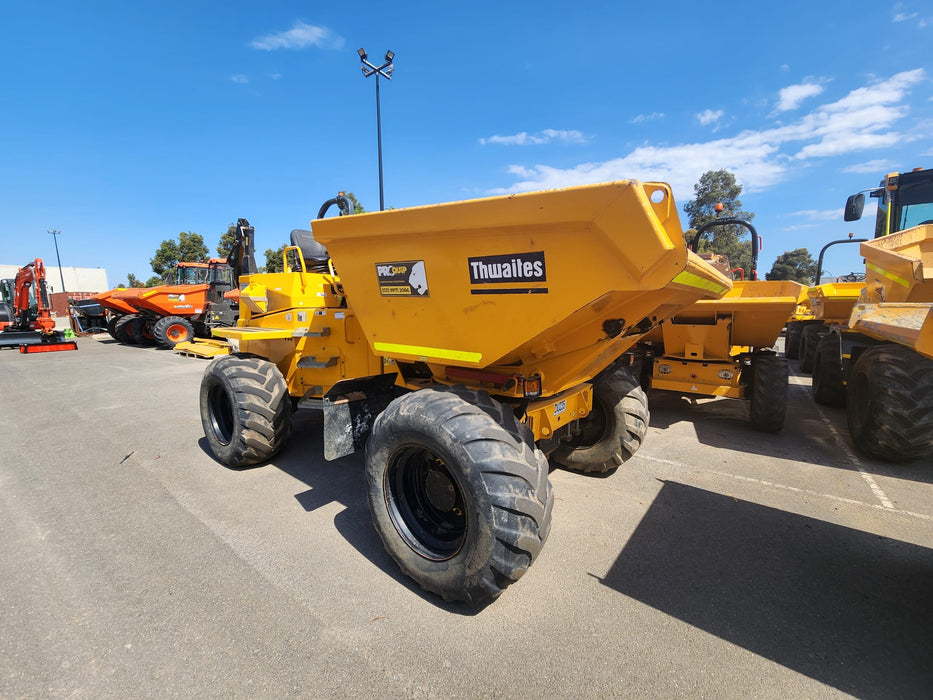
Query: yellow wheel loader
{"type": "Point", "coordinates": [723, 347]}
{"type": "Point", "coordinates": [879, 364]}
{"type": "Point", "coordinates": [460, 344]}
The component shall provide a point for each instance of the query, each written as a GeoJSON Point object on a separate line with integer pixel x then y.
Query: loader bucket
{"type": "Point", "coordinates": [899, 267]}
{"type": "Point", "coordinates": [556, 283]}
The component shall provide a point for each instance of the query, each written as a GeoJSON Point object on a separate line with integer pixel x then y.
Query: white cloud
{"type": "Point", "coordinates": [819, 215]}
{"type": "Point", "coordinates": [903, 16]}
{"type": "Point", "coordinates": [709, 116]}
{"type": "Point", "coordinates": [790, 97]}
{"type": "Point", "coordinates": [865, 118]}
{"type": "Point", "coordinates": [641, 118]}
{"type": "Point", "coordinates": [523, 138]}
{"type": "Point", "coordinates": [239, 78]}
{"type": "Point", "coordinates": [300, 36]}
{"type": "Point", "coordinates": [870, 167]}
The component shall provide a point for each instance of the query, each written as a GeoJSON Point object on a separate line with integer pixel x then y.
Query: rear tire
{"type": "Point", "coordinates": [828, 387]}
{"type": "Point", "coordinates": [768, 393]}
{"type": "Point", "coordinates": [121, 329]}
{"type": "Point", "coordinates": [614, 429]}
{"type": "Point", "coordinates": [245, 410]}
{"type": "Point", "coordinates": [458, 492]}
{"type": "Point", "coordinates": [172, 330]}
{"type": "Point", "coordinates": [140, 329]}
{"type": "Point", "coordinates": [111, 325]}
{"type": "Point", "coordinates": [890, 404]}
{"type": "Point", "coordinates": [809, 339]}
{"type": "Point", "coordinates": [792, 340]}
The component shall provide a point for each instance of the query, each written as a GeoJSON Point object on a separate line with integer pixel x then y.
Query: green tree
{"type": "Point", "coordinates": [357, 207]}
{"type": "Point", "coordinates": [719, 187]}
{"type": "Point", "coordinates": [189, 248]}
{"type": "Point", "coordinates": [797, 265]}
{"type": "Point", "coordinates": [274, 260]}
{"type": "Point", "coordinates": [132, 281]}
{"type": "Point", "coordinates": [225, 244]}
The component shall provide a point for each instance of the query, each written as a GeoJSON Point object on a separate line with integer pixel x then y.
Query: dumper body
{"type": "Point", "coordinates": [878, 362]}
{"type": "Point", "coordinates": [462, 346]}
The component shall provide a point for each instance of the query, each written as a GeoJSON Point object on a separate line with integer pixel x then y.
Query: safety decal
{"type": "Point", "coordinates": [402, 279]}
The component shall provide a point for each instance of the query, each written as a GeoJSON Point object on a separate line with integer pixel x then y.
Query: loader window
{"type": "Point", "coordinates": [914, 204]}
{"type": "Point", "coordinates": [222, 273]}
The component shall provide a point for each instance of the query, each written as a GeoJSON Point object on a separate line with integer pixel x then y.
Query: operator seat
{"type": "Point", "coordinates": [314, 253]}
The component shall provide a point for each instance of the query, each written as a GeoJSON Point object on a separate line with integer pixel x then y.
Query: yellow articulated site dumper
{"type": "Point", "coordinates": [880, 363]}
{"type": "Point", "coordinates": [826, 305]}
{"type": "Point", "coordinates": [463, 345]}
{"type": "Point", "coordinates": [723, 347]}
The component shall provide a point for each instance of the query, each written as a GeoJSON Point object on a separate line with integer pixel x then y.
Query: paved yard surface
{"type": "Point", "coordinates": [718, 562]}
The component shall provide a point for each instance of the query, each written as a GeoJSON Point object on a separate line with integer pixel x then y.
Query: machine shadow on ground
{"type": "Point", "coordinates": [806, 437]}
{"type": "Point", "coordinates": [847, 608]}
{"type": "Point", "coordinates": [342, 481]}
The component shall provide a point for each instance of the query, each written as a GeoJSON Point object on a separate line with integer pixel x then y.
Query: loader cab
{"type": "Point", "coordinates": [192, 273]}
{"type": "Point", "coordinates": [904, 200]}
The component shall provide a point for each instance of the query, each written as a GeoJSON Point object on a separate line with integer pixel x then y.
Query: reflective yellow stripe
{"type": "Point", "coordinates": [149, 294]}
{"type": "Point", "coordinates": [894, 278]}
{"type": "Point", "coordinates": [428, 353]}
{"type": "Point", "coordinates": [692, 280]}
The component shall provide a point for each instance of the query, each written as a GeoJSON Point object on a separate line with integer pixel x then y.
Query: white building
{"type": "Point", "coordinates": [77, 279]}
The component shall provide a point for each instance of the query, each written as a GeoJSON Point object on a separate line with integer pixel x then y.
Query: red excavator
{"type": "Point", "coordinates": [26, 319]}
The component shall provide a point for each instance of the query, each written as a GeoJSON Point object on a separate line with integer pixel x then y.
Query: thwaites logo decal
{"type": "Point", "coordinates": [492, 271]}
{"type": "Point", "coordinates": [402, 279]}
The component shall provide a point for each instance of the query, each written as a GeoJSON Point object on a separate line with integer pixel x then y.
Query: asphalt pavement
{"type": "Point", "coordinates": [718, 562]}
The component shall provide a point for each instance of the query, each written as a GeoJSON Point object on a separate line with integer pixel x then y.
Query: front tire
{"type": "Point", "coordinates": [890, 404]}
{"type": "Point", "coordinates": [458, 492]}
{"type": "Point", "coordinates": [245, 410]}
{"type": "Point", "coordinates": [614, 429]}
{"type": "Point", "coordinates": [172, 330]}
{"type": "Point", "coordinates": [768, 393]}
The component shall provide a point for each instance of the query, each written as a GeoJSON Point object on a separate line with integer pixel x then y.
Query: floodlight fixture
{"type": "Point", "coordinates": [385, 70]}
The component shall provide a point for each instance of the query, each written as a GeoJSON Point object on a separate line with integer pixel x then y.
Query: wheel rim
{"type": "Point", "coordinates": [221, 414]}
{"type": "Point", "coordinates": [176, 333]}
{"type": "Point", "coordinates": [426, 503]}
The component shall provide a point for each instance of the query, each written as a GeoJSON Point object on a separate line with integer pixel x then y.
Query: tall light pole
{"type": "Point", "coordinates": [57, 256]}
{"type": "Point", "coordinates": [385, 70]}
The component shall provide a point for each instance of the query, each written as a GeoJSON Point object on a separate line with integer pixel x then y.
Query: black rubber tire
{"type": "Point", "coordinates": [890, 404]}
{"type": "Point", "coordinates": [245, 410]}
{"type": "Point", "coordinates": [613, 431]}
{"type": "Point", "coordinates": [121, 329]}
{"type": "Point", "coordinates": [140, 330]}
{"type": "Point", "coordinates": [768, 393]}
{"type": "Point", "coordinates": [809, 339]}
{"type": "Point", "coordinates": [792, 340]}
{"type": "Point", "coordinates": [458, 492]}
{"type": "Point", "coordinates": [169, 331]}
{"type": "Point", "coordinates": [111, 326]}
{"type": "Point", "coordinates": [828, 387]}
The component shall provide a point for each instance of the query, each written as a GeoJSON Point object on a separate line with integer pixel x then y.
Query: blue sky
{"type": "Point", "coordinates": [125, 123]}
